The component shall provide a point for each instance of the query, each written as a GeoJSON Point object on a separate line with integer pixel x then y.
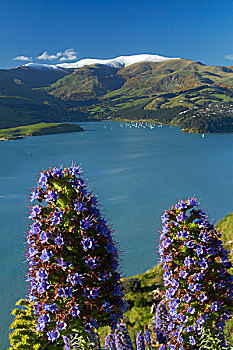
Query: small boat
{"type": "Point", "coordinates": [203, 135]}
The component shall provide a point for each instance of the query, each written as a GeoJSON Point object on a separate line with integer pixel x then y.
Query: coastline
{"type": "Point", "coordinates": [18, 133]}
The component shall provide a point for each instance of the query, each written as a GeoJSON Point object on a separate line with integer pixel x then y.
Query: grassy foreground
{"type": "Point", "coordinates": [38, 129]}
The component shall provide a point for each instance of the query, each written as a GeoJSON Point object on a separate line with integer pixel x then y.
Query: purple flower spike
{"type": "Point", "coordinates": [198, 286]}
{"type": "Point", "coordinates": [140, 342]}
{"type": "Point", "coordinates": [71, 256]}
{"type": "Point", "coordinates": [122, 338]}
{"type": "Point", "coordinates": [110, 342]}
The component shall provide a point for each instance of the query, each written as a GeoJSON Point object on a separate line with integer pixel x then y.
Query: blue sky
{"type": "Point", "coordinates": [194, 29]}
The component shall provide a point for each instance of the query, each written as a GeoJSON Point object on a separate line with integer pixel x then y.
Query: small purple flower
{"type": "Point", "coordinates": [51, 308]}
{"type": "Point", "coordinates": [181, 205]}
{"type": "Point", "coordinates": [75, 171]}
{"type": "Point", "coordinates": [65, 292]}
{"type": "Point", "coordinates": [53, 335]}
{"type": "Point", "coordinates": [167, 242]}
{"type": "Point", "coordinates": [191, 310]}
{"type": "Point", "coordinates": [36, 209]}
{"type": "Point", "coordinates": [91, 293]}
{"type": "Point", "coordinates": [40, 327]}
{"type": "Point", "coordinates": [88, 243]}
{"type": "Point", "coordinates": [203, 263]}
{"type": "Point", "coordinates": [215, 306]}
{"type": "Point", "coordinates": [107, 307]}
{"type": "Point", "coordinates": [61, 325]}
{"type": "Point", "coordinates": [192, 202]}
{"type": "Point", "coordinates": [180, 217]}
{"type": "Point", "coordinates": [91, 263]}
{"type": "Point", "coordinates": [182, 234]}
{"type": "Point", "coordinates": [110, 248]}
{"type": "Point", "coordinates": [46, 255]}
{"type": "Point", "coordinates": [32, 251]}
{"type": "Point", "coordinates": [44, 236]}
{"type": "Point", "coordinates": [51, 196]}
{"type": "Point", "coordinates": [164, 217]}
{"type": "Point", "coordinates": [80, 206]}
{"type": "Point", "coordinates": [42, 273]}
{"type": "Point", "coordinates": [86, 223]}
{"type": "Point", "coordinates": [162, 347]}
{"type": "Point", "coordinates": [56, 218]}
{"type": "Point", "coordinates": [59, 240]}
{"type": "Point", "coordinates": [35, 195]}
{"type": "Point", "coordinates": [194, 286]}
{"type": "Point", "coordinates": [188, 261]}
{"type": "Point", "coordinates": [35, 228]}
{"type": "Point", "coordinates": [62, 263]}
{"type": "Point", "coordinates": [188, 329]}
{"type": "Point", "coordinates": [44, 318]}
{"type": "Point", "coordinates": [190, 244]}
{"type": "Point", "coordinates": [192, 340]}
{"type": "Point", "coordinates": [198, 276]}
{"type": "Point", "coordinates": [75, 279]}
{"type": "Point", "coordinates": [180, 339]}
{"type": "Point", "coordinates": [199, 250]}
{"type": "Point", "coordinates": [183, 274]}
{"type": "Point", "coordinates": [200, 320]}
{"type": "Point", "coordinates": [43, 179]}
{"type": "Point", "coordinates": [56, 172]}
{"type": "Point", "coordinates": [75, 311]}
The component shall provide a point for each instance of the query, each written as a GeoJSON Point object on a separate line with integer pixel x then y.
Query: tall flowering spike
{"type": "Point", "coordinates": [73, 261]}
{"type": "Point", "coordinates": [140, 342]}
{"type": "Point", "coordinates": [110, 342]}
{"type": "Point", "coordinates": [122, 338]}
{"type": "Point", "coordinates": [147, 338]}
{"type": "Point", "coordinates": [162, 322]}
{"type": "Point", "coordinates": [198, 285]}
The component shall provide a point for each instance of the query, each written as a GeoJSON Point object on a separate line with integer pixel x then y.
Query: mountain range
{"type": "Point", "coordinates": [176, 91]}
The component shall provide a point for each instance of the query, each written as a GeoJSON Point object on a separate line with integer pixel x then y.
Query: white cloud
{"type": "Point", "coordinates": [45, 56]}
{"type": "Point", "coordinates": [229, 57]}
{"type": "Point", "coordinates": [22, 58]}
{"type": "Point", "coordinates": [67, 55]}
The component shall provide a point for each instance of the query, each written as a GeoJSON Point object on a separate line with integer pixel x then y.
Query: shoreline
{"type": "Point", "coordinates": [18, 133]}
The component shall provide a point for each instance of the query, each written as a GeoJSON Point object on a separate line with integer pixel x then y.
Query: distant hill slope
{"type": "Point", "coordinates": [194, 96]}
{"type": "Point", "coordinates": [87, 83]}
{"type": "Point", "coordinates": [22, 102]}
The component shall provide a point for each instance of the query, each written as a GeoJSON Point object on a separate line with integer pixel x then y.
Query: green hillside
{"type": "Point", "coordinates": [37, 130]}
{"type": "Point", "coordinates": [23, 103]}
{"type": "Point", "coordinates": [152, 90]}
{"type": "Point", "coordinates": [87, 83]}
{"type": "Point", "coordinates": [180, 92]}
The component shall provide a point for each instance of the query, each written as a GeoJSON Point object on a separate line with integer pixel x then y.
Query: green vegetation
{"type": "Point", "coordinates": [24, 323]}
{"type": "Point", "coordinates": [38, 129]}
{"type": "Point", "coordinates": [146, 90]}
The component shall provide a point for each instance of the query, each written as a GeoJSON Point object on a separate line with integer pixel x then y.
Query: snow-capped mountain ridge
{"type": "Point", "coordinates": [118, 62]}
{"type": "Point", "coordinates": [41, 66]}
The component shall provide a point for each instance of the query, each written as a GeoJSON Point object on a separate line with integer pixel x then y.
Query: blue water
{"type": "Point", "coordinates": [137, 172]}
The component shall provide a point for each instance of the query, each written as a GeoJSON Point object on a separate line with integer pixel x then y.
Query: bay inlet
{"type": "Point", "coordinates": [137, 172]}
